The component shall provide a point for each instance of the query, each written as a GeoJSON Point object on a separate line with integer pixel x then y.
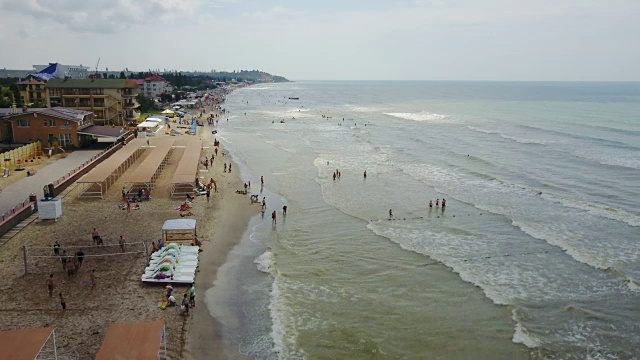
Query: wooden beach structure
{"type": "Point", "coordinates": [143, 340]}
{"type": "Point", "coordinates": [97, 181]}
{"type": "Point", "coordinates": [28, 344]}
{"type": "Point", "coordinates": [184, 177]}
{"type": "Point", "coordinates": [145, 176]}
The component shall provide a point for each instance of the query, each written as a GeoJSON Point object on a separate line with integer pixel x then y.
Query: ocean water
{"type": "Point", "coordinates": [537, 254]}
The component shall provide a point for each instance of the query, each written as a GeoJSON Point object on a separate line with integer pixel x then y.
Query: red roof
{"type": "Point", "coordinates": [23, 344]}
{"type": "Point", "coordinates": [154, 77]}
{"type": "Point", "coordinates": [132, 341]}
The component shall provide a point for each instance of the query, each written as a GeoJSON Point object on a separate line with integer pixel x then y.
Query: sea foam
{"type": "Point", "coordinates": [423, 116]}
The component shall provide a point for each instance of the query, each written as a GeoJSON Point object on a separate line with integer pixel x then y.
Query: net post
{"type": "Point", "coordinates": [24, 255]}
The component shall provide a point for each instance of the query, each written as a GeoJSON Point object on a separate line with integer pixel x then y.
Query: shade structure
{"type": "Point", "coordinates": [168, 112]}
{"type": "Point", "coordinates": [99, 180]}
{"type": "Point", "coordinates": [179, 224]}
{"type": "Point", "coordinates": [139, 341]}
{"type": "Point", "coordinates": [26, 344]}
{"type": "Point", "coordinates": [147, 173]}
{"type": "Point", "coordinates": [184, 177]}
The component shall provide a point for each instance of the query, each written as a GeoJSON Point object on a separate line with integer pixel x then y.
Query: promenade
{"type": "Point", "coordinates": [20, 190]}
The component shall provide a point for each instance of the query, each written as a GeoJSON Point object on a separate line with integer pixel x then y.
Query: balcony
{"type": "Point", "coordinates": [130, 104]}
{"type": "Point", "coordinates": [129, 93]}
{"type": "Point", "coordinates": [131, 115]}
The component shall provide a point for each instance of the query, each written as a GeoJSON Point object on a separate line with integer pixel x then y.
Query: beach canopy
{"type": "Point", "coordinates": [27, 344]}
{"type": "Point", "coordinates": [134, 341]}
{"type": "Point", "coordinates": [168, 112]}
{"type": "Point", "coordinates": [179, 224]}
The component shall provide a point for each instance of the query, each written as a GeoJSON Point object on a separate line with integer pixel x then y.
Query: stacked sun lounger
{"type": "Point", "coordinates": [173, 263]}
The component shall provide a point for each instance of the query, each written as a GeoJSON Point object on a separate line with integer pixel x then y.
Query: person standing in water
{"type": "Point", "coordinates": [273, 217]}
{"type": "Point", "coordinates": [284, 210]}
{"type": "Point", "coordinates": [390, 214]}
{"type": "Point", "coordinates": [437, 202]}
{"type": "Point", "coordinates": [444, 202]}
{"type": "Point", "coordinates": [430, 203]}
{"type": "Point", "coordinates": [365, 174]}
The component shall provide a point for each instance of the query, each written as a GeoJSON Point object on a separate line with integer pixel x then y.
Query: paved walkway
{"type": "Point", "coordinates": [20, 190]}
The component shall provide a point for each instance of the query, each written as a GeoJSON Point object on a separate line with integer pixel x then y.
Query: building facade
{"type": "Point", "coordinates": [72, 71]}
{"type": "Point", "coordinates": [155, 85]}
{"type": "Point", "coordinates": [29, 125]}
{"type": "Point", "coordinates": [113, 101]}
{"type": "Point", "coordinates": [32, 91]}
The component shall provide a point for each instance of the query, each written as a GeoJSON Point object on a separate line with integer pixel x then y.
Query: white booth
{"type": "Point", "coordinates": [150, 128]}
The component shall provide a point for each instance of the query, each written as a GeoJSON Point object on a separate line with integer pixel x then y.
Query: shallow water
{"type": "Point", "coordinates": [536, 254]}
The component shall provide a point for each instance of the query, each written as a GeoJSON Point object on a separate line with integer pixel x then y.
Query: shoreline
{"type": "Point", "coordinates": [230, 220]}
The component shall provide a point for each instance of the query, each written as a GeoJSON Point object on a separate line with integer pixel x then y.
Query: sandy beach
{"type": "Point", "coordinates": [119, 295]}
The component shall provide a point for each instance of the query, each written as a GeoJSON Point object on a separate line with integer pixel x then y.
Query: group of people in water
{"type": "Point", "coordinates": [444, 203]}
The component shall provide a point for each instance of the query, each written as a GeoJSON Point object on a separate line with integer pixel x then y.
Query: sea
{"type": "Point", "coordinates": [535, 256]}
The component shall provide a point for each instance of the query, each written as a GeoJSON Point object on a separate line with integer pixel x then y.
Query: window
{"type": "Point", "coordinates": [52, 123]}
{"type": "Point", "coordinates": [65, 139]}
{"type": "Point", "coordinates": [23, 123]}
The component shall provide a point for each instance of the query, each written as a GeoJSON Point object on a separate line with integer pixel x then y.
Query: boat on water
{"type": "Point", "coordinates": [294, 98]}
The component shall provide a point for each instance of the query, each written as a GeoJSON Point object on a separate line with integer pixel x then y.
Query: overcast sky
{"type": "Point", "coordinates": [327, 39]}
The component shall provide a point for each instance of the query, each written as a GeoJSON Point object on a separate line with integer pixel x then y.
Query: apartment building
{"type": "Point", "coordinates": [154, 85]}
{"type": "Point", "coordinates": [32, 91]}
{"type": "Point", "coordinates": [113, 101]}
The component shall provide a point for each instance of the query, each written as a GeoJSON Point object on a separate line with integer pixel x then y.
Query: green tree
{"type": "Point", "coordinates": [146, 103]}
{"type": "Point", "coordinates": [122, 75]}
{"type": "Point", "coordinates": [16, 94]}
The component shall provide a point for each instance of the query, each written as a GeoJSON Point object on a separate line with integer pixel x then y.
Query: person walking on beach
{"type": "Point", "coordinates": [56, 248]}
{"type": "Point", "coordinates": [192, 295]}
{"type": "Point", "coordinates": [124, 192]}
{"type": "Point", "coordinates": [208, 194]}
{"type": "Point", "coordinates": [334, 176]}
{"type": "Point", "coordinates": [121, 242]}
{"type": "Point", "coordinates": [261, 181]}
{"type": "Point", "coordinates": [273, 217]}
{"type": "Point", "coordinates": [51, 285]}
{"type": "Point", "coordinates": [264, 203]}
{"type": "Point", "coordinates": [229, 167]}
{"type": "Point", "coordinates": [284, 210]}
{"type": "Point", "coordinates": [95, 235]}
{"type": "Point", "coordinates": [63, 260]}
{"type": "Point", "coordinates": [225, 167]}
{"type": "Point", "coordinates": [62, 302]}
{"type": "Point", "coordinates": [185, 305]}
{"type": "Point", "coordinates": [390, 214]}
{"type": "Point", "coordinates": [80, 257]}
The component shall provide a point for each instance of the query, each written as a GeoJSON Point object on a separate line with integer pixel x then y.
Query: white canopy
{"type": "Point", "coordinates": [179, 224]}
{"type": "Point", "coordinates": [148, 124]}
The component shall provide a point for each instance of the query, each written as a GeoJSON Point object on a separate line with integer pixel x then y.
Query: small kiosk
{"type": "Point", "coordinates": [179, 231]}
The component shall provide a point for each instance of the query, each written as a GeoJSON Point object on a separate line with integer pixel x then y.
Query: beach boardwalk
{"type": "Point", "coordinates": [21, 189]}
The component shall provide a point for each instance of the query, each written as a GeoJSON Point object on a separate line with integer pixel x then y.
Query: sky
{"type": "Point", "coordinates": [502, 40]}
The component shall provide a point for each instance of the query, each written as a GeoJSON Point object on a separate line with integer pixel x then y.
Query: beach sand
{"type": "Point", "coordinates": [120, 296]}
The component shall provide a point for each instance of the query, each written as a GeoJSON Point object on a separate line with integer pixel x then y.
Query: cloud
{"type": "Point", "coordinates": [105, 16]}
